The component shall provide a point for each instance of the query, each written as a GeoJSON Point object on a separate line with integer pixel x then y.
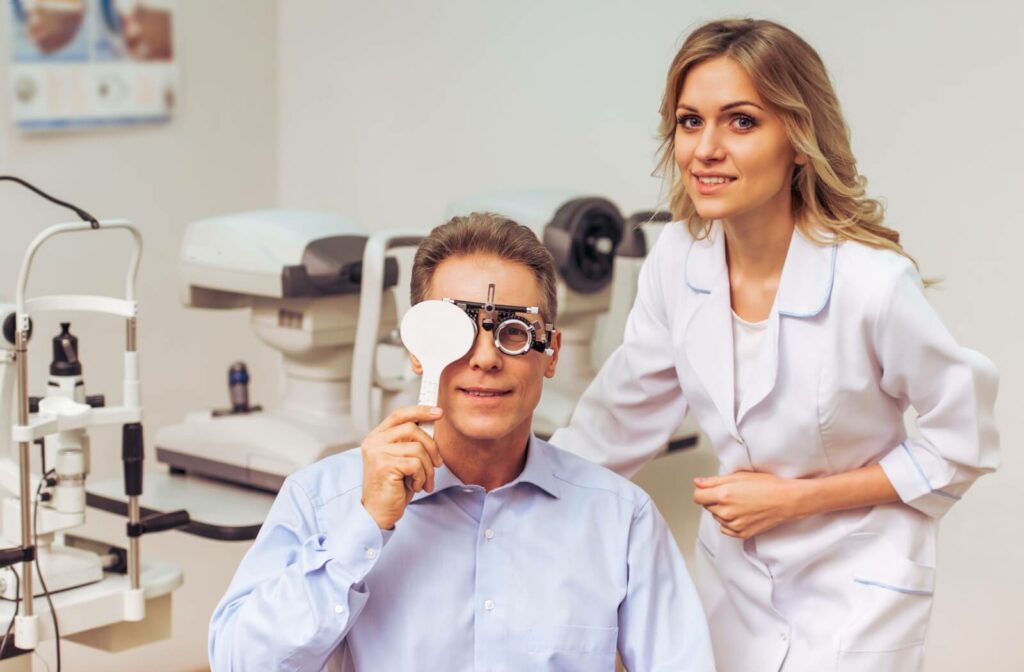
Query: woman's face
{"type": "Point", "coordinates": [733, 154]}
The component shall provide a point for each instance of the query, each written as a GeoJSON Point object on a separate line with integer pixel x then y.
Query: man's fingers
{"type": "Point", "coordinates": [411, 414]}
{"type": "Point", "coordinates": [409, 432]}
{"type": "Point", "coordinates": [404, 452]}
{"type": "Point", "coordinates": [413, 473]}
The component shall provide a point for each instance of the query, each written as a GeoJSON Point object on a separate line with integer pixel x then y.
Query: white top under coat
{"type": "Point", "coordinates": [747, 338]}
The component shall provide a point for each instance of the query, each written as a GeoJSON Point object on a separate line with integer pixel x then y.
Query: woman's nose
{"type": "Point", "coordinates": [709, 148]}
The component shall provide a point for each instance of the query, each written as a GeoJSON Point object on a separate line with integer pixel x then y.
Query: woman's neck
{"type": "Point", "coordinates": [756, 243]}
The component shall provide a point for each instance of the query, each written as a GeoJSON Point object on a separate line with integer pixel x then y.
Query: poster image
{"type": "Point", "coordinates": [89, 63]}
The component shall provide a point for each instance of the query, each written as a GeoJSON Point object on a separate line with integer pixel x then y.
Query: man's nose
{"type": "Point", "coordinates": [484, 354]}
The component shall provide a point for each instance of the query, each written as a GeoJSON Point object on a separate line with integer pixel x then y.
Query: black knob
{"type": "Point", "coordinates": [65, 353]}
{"type": "Point", "coordinates": [132, 454]}
{"type": "Point", "coordinates": [10, 329]}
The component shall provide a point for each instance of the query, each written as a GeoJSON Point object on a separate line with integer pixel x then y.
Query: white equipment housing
{"type": "Point", "coordinates": [300, 274]}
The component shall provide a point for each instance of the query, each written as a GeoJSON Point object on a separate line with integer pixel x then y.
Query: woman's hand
{"type": "Point", "coordinates": [746, 503]}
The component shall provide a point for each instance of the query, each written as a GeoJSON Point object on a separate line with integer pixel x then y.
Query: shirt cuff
{"type": "Point", "coordinates": [356, 542]}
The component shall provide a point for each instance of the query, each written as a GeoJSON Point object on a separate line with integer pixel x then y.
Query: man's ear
{"type": "Point", "coordinates": [417, 368]}
{"type": "Point", "coordinates": [556, 345]}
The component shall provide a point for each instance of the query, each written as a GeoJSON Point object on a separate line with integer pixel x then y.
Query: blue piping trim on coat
{"type": "Point", "coordinates": [828, 294]}
{"type": "Point", "coordinates": [906, 591]}
{"type": "Point", "coordinates": [686, 269]}
{"type": "Point", "coordinates": [920, 471]}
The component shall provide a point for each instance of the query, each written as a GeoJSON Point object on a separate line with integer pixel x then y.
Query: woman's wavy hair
{"type": "Point", "coordinates": [828, 194]}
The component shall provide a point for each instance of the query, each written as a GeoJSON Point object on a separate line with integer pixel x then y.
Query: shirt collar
{"type": "Point", "coordinates": [538, 471]}
{"type": "Point", "coordinates": [806, 282]}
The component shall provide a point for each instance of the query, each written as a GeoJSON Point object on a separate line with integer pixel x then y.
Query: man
{"type": "Point", "coordinates": [484, 548]}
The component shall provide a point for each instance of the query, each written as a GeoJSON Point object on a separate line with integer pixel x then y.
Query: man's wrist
{"type": "Point", "coordinates": [382, 522]}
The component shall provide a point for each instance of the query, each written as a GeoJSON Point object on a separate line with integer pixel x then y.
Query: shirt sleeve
{"type": "Point", "coordinates": [297, 591]}
{"type": "Point", "coordinates": [661, 621]}
{"type": "Point", "coordinates": [953, 389]}
{"type": "Point", "coordinates": [633, 405]}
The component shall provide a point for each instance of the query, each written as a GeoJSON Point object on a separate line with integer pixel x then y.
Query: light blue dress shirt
{"type": "Point", "coordinates": [553, 571]}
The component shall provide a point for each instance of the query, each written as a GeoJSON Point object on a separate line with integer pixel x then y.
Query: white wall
{"type": "Point", "coordinates": [217, 155]}
{"type": "Point", "coordinates": [390, 110]}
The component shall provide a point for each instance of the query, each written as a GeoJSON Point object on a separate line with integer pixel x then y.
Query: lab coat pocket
{"type": "Point", "coordinates": [892, 599]}
{"type": "Point", "coordinates": [568, 648]}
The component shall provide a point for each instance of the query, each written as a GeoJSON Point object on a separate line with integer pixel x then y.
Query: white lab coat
{"type": "Point", "coordinates": [851, 341]}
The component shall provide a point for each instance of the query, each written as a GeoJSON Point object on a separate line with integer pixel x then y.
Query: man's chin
{"type": "Point", "coordinates": [484, 433]}
{"type": "Point", "coordinates": [483, 428]}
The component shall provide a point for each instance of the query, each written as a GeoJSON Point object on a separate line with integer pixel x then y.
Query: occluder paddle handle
{"type": "Point", "coordinates": [428, 397]}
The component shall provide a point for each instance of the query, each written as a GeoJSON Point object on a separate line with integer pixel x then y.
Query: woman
{"type": "Point", "coordinates": [788, 318]}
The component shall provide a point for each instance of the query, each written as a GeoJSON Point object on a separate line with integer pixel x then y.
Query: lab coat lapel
{"type": "Point", "coordinates": [708, 342]}
{"type": "Point", "coordinates": [804, 290]}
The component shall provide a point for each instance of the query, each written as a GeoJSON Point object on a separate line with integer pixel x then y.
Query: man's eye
{"type": "Point", "coordinates": [688, 121]}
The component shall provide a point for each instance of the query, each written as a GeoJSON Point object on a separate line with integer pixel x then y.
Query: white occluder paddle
{"type": "Point", "coordinates": [437, 333]}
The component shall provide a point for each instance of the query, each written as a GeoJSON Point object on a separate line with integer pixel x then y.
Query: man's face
{"type": "Point", "coordinates": [487, 395]}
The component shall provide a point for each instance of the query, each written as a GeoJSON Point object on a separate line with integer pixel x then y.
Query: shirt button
{"type": "Point", "coordinates": [489, 605]}
{"type": "Point", "coordinates": [489, 533]}
{"type": "Point", "coordinates": [371, 553]}
{"type": "Point", "coordinates": [338, 609]}
{"type": "Point", "coordinates": [783, 636]}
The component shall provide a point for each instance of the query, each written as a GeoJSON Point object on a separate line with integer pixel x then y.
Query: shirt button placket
{"type": "Point", "coordinates": [491, 621]}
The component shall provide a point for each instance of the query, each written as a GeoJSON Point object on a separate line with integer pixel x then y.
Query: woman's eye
{"type": "Point", "coordinates": [688, 121]}
{"type": "Point", "coordinates": [743, 122]}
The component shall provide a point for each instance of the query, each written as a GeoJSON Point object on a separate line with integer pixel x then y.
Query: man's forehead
{"type": "Point", "coordinates": [467, 279]}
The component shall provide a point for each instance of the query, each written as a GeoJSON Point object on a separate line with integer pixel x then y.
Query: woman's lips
{"type": "Point", "coordinates": [708, 185]}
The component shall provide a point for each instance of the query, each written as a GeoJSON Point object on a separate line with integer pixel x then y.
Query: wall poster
{"type": "Point", "coordinates": [89, 63]}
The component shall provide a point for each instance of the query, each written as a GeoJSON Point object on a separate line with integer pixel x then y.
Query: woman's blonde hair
{"type": "Point", "coordinates": [828, 193]}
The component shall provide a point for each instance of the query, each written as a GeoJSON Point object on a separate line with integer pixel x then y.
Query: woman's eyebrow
{"type": "Point", "coordinates": [724, 108]}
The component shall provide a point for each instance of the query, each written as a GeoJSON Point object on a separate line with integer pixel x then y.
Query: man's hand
{"type": "Point", "coordinates": [745, 503]}
{"type": "Point", "coordinates": [398, 449]}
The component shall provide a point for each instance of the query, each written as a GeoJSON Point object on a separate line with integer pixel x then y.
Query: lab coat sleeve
{"type": "Point", "coordinates": [953, 389]}
{"type": "Point", "coordinates": [298, 590]}
{"type": "Point", "coordinates": [633, 405]}
{"type": "Point", "coordinates": [661, 621]}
